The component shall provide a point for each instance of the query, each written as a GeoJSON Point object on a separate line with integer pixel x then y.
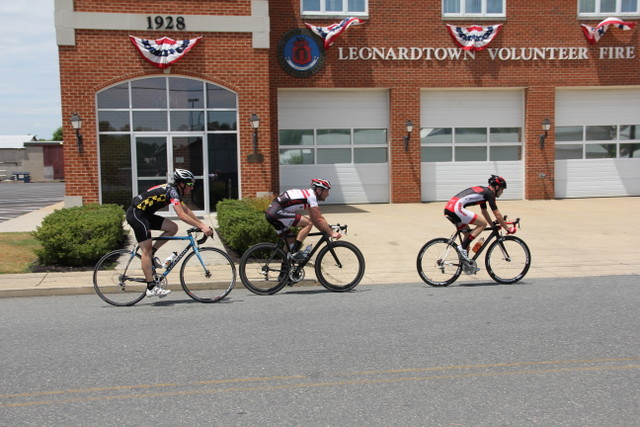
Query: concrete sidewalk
{"type": "Point", "coordinates": [567, 238]}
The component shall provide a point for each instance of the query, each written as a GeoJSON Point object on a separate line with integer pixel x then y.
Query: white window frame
{"type": "Point", "coordinates": [482, 14]}
{"type": "Point", "coordinates": [323, 13]}
{"type": "Point", "coordinates": [598, 13]}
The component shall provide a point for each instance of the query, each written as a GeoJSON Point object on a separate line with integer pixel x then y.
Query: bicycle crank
{"type": "Point", "coordinates": [470, 267]}
{"type": "Point", "coordinates": [161, 281]}
{"type": "Point", "coordinates": [296, 275]}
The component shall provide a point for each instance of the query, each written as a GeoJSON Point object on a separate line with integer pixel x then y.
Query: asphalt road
{"type": "Point", "coordinates": [543, 352]}
{"type": "Point", "coordinates": [17, 198]}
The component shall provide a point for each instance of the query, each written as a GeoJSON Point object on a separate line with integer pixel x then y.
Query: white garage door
{"type": "Point", "coordinates": [597, 142]}
{"type": "Point", "coordinates": [337, 135]}
{"type": "Point", "coordinates": [468, 135]}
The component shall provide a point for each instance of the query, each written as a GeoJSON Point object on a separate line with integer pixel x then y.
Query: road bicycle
{"type": "Point", "coordinates": [507, 260]}
{"type": "Point", "coordinates": [266, 268]}
{"type": "Point", "coordinates": [206, 275]}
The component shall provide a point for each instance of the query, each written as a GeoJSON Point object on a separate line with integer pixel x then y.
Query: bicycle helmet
{"type": "Point", "coordinates": [498, 182]}
{"type": "Point", "coordinates": [183, 175]}
{"type": "Point", "coordinates": [320, 183]}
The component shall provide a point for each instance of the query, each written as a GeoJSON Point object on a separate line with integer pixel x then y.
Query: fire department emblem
{"type": "Point", "coordinates": [300, 54]}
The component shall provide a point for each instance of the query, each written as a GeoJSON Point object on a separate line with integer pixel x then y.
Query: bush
{"type": "Point", "coordinates": [79, 236]}
{"type": "Point", "coordinates": [241, 223]}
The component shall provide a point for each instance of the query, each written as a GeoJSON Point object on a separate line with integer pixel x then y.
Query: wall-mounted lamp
{"type": "Point", "coordinates": [76, 123]}
{"type": "Point", "coordinates": [409, 128]}
{"type": "Point", "coordinates": [255, 157]}
{"type": "Point", "coordinates": [546, 125]}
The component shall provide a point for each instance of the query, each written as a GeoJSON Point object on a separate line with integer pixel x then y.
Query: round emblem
{"type": "Point", "coordinates": [300, 54]}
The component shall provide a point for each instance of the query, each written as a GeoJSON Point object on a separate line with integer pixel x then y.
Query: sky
{"type": "Point", "coordinates": [29, 69]}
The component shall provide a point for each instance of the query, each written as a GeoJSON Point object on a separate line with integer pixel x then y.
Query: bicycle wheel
{"type": "Point", "coordinates": [210, 282]}
{"type": "Point", "coordinates": [339, 266]}
{"type": "Point", "coordinates": [439, 262]}
{"type": "Point", "coordinates": [264, 269]}
{"type": "Point", "coordinates": [508, 259]}
{"type": "Point", "coordinates": [118, 278]}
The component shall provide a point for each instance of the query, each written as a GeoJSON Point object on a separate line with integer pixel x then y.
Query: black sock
{"type": "Point", "coordinates": [151, 285]}
{"type": "Point", "coordinates": [466, 242]}
{"type": "Point", "coordinates": [296, 247]}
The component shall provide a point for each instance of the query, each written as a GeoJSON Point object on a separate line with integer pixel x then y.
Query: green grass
{"type": "Point", "coordinates": [18, 252]}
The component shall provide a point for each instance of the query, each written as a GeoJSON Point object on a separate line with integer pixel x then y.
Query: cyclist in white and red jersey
{"type": "Point", "coordinates": [142, 218]}
{"type": "Point", "coordinates": [456, 210]}
{"type": "Point", "coordinates": [283, 213]}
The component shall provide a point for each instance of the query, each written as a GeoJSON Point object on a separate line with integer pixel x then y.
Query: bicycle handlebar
{"type": "Point", "coordinates": [197, 230]}
{"type": "Point", "coordinates": [338, 228]}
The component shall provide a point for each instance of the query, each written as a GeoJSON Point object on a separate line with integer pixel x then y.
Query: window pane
{"type": "Point", "coordinates": [505, 153]}
{"type": "Point", "coordinates": [569, 133]}
{"type": "Point", "coordinates": [505, 135]}
{"type": "Point", "coordinates": [218, 97]}
{"type": "Point", "coordinates": [568, 151]}
{"type": "Point", "coordinates": [150, 121]}
{"type": "Point", "coordinates": [356, 6]}
{"type": "Point", "coordinates": [436, 154]}
{"type": "Point", "coordinates": [600, 151]}
{"type": "Point", "coordinates": [630, 132]}
{"type": "Point", "coordinates": [607, 6]}
{"type": "Point", "coordinates": [185, 93]}
{"type": "Point", "coordinates": [221, 120]}
{"type": "Point", "coordinates": [629, 6]}
{"type": "Point", "coordinates": [451, 6]}
{"type": "Point", "coordinates": [184, 121]}
{"type": "Point", "coordinates": [473, 6]}
{"type": "Point", "coordinates": [296, 137]}
{"type": "Point", "coordinates": [334, 137]}
{"type": "Point", "coordinates": [149, 93]}
{"type": "Point", "coordinates": [494, 6]}
{"type": "Point", "coordinates": [370, 155]}
{"type": "Point", "coordinates": [115, 97]}
{"type": "Point", "coordinates": [370, 136]}
{"type": "Point", "coordinates": [471, 135]}
{"type": "Point", "coordinates": [311, 5]}
{"type": "Point", "coordinates": [296, 157]}
{"type": "Point", "coordinates": [630, 150]}
{"type": "Point", "coordinates": [223, 167]}
{"type": "Point", "coordinates": [111, 121]}
{"type": "Point", "coordinates": [151, 156]}
{"type": "Point", "coordinates": [600, 133]}
{"type": "Point", "coordinates": [471, 154]}
{"type": "Point", "coordinates": [334, 5]}
{"type": "Point", "coordinates": [334, 155]}
{"type": "Point", "coordinates": [115, 169]}
{"type": "Point", "coordinates": [587, 6]}
{"type": "Point", "coordinates": [436, 135]}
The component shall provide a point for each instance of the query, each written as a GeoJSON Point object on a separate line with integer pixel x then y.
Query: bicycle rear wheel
{"type": "Point", "coordinates": [508, 260]}
{"type": "Point", "coordinates": [339, 266]}
{"type": "Point", "coordinates": [118, 278]}
{"type": "Point", "coordinates": [439, 263]}
{"type": "Point", "coordinates": [210, 282]}
{"type": "Point", "coordinates": [264, 269]}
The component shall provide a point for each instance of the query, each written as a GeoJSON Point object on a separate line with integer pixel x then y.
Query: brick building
{"type": "Point", "coordinates": [342, 113]}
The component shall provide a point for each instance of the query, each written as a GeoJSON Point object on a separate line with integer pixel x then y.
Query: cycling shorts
{"type": "Point", "coordinates": [281, 219]}
{"type": "Point", "coordinates": [458, 214]}
{"type": "Point", "coordinates": [142, 223]}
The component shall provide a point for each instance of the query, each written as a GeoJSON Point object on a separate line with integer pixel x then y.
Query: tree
{"type": "Point", "coordinates": [57, 135]}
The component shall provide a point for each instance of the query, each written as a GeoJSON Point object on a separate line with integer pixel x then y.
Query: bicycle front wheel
{"type": "Point", "coordinates": [208, 278]}
{"type": "Point", "coordinates": [508, 260]}
{"type": "Point", "coordinates": [264, 269]}
{"type": "Point", "coordinates": [439, 263]}
{"type": "Point", "coordinates": [118, 278]}
{"type": "Point", "coordinates": [339, 266]}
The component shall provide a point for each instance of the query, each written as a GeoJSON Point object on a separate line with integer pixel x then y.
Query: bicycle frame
{"type": "Point", "coordinates": [324, 239]}
{"type": "Point", "coordinates": [496, 233]}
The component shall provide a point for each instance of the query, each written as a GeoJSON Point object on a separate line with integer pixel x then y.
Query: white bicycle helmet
{"type": "Point", "coordinates": [183, 175]}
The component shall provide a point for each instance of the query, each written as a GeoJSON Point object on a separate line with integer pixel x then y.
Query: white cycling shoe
{"type": "Point", "coordinates": [158, 292]}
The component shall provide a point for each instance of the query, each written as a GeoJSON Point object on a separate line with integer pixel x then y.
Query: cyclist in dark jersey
{"type": "Point", "coordinates": [456, 210]}
{"type": "Point", "coordinates": [283, 213]}
{"type": "Point", "coordinates": [142, 218]}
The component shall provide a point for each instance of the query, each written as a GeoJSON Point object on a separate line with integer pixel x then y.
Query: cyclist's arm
{"type": "Point", "coordinates": [501, 220]}
{"type": "Point", "coordinates": [185, 214]}
{"type": "Point", "coordinates": [321, 224]}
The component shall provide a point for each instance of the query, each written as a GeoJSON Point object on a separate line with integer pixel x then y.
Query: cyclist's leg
{"type": "Point", "coordinates": [140, 224]}
{"type": "Point", "coordinates": [305, 225]}
{"type": "Point", "coordinates": [168, 227]}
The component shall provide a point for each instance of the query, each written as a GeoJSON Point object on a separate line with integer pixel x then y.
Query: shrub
{"type": "Point", "coordinates": [241, 223]}
{"type": "Point", "coordinates": [79, 236]}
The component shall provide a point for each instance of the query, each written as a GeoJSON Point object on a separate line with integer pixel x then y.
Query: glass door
{"type": "Point", "coordinates": [156, 157]}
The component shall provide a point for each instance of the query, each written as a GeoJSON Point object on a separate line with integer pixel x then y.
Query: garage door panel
{"type": "Point", "coordinates": [597, 178]}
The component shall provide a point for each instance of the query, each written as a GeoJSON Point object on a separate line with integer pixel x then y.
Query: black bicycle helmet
{"type": "Point", "coordinates": [498, 182]}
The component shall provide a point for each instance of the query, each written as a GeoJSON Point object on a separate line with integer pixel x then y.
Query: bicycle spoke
{"type": "Point", "coordinates": [438, 263]}
{"type": "Point", "coordinates": [208, 278]}
{"type": "Point", "coordinates": [264, 269]}
{"type": "Point", "coordinates": [508, 260]}
{"type": "Point", "coordinates": [118, 278]}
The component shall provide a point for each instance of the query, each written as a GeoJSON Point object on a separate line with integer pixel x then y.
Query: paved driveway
{"type": "Point", "coordinates": [18, 198]}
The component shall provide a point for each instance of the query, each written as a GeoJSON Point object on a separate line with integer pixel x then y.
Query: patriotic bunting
{"type": "Point", "coordinates": [328, 34]}
{"type": "Point", "coordinates": [163, 52]}
{"type": "Point", "coordinates": [593, 34]}
{"type": "Point", "coordinates": [475, 37]}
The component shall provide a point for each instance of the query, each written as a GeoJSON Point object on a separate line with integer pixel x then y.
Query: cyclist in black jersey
{"type": "Point", "coordinates": [142, 218]}
{"type": "Point", "coordinates": [456, 210]}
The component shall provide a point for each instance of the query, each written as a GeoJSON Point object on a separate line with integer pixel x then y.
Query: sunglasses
{"type": "Point", "coordinates": [190, 184]}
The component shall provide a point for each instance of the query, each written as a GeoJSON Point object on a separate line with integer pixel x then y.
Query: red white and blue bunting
{"type": "Point", "coordinates": [328, 34]}
{"type": "Point", "coordinates": [593, 34]}
{"type": "Point", "coordinates": [474, 37]}
{"type": "Point", "coordinates": [165, 51]}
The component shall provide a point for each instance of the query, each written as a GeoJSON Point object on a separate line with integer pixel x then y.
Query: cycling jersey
{"type": "Point", "coordinates": [455, 208]}
{"type": "Point", "coordinates": [282, 213]}
{"type": "Point", "coordinates": [157, 198]}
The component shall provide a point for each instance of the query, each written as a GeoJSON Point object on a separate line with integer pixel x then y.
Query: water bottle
{"type": "Point", "coordinates": [307, 251]}
{"type": "Point", "coordinates": [169, 260]}
{"type": "Point", "coordinates": [478, 245]}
